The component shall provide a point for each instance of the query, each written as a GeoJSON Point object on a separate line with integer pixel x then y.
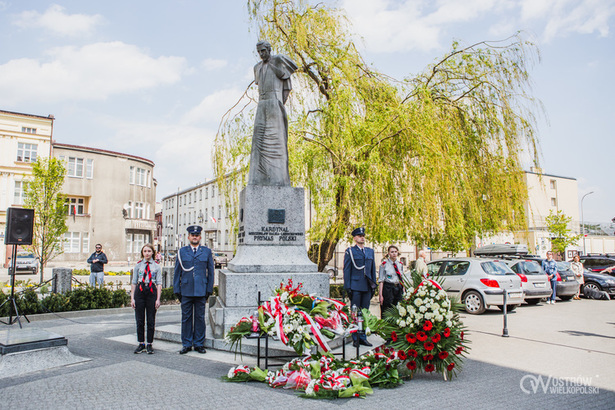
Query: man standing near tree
{"type": "Point", "coordinates": [97, 266]}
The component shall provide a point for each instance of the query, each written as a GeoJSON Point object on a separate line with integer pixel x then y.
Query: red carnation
{"type": "Point", "coordinates": [402, 355]}
{"type": "Point", "coordinates": [377, 349]}
{"type": "Point", "coordinates": [410, 338]}
{"type": "Point", "coordinates": [421, 336]}
{"type": "Point", "coordinates": [316, 387]}
{"type": "Point", "coordinates": [443, 355]}
{"type": "Point", "coordinates": [430, 368]}
{"type": "Point", "coordinates": [412, 353]}
{"type": "Point", "coordinates": [459, 350]}
{"type": "Point", "coordinates": [450, 367]}
{"type": "Point", "coordinates": [394, 336]}
{"type": "Point", "coordinates": [386, 351]}
{"type": "Point", "coordinates": [428, 326]}
{"type": "Point", "coordinates": [428, 346]}
{"type": "Point", "coordinates": [411, 365]}
{"type": "Point", "coordinates": [447, 332]}
{"type": "Point", "coordinates": [436, 338]}
{"type": "Point", "coordinates": [428, 358]}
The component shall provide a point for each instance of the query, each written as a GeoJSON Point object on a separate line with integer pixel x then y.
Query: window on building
{"type": "Point", "coordinates": [553, 201]}
{"type": "Point", "coordinates": [213, 191]}
{"type": "Point", "coordinates": [219, 212]}
{"type": "Point", "coordinates": [28, 130]}
{"type": "Point", "coordinates": [200, 194]}
{"type": "Point", "coordinates": [72, 242]}
{"type": "Point", "coordinates": [85, 242]}
{"type": "Point", "coordinates": [226, 237]}
{"type": "Point", "coordinates": [74, 167]}
{"type": "Point", "coordinates": [139, 176]}
{"type": "Point", "coordinates": [218, 237]}
{"type": "Point", "coordinates": [135, 241]}
{"type": "Point", "coordinates": [75, 206]}
{"type": "Point", "coordinates": [206, 192]}
{"type": "Point", "coordinates": [20, 187]}
{"type": "Point", "coordinates": [190, 198]}
{"type": "Point", "coordinates": [139, 210]}
{"type": "Point", "coordinates": [26, 152]}
{"type": "Point", "coordinates": [553, 184]}
{"type": "Point", "coordinates": [89, 168]}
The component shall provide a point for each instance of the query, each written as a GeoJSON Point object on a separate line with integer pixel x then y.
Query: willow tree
{"type": "Point", "coordinates": [434, 158]}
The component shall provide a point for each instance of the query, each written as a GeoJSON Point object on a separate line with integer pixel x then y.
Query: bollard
{"type": "Point", "coordinates": [505, 330]}
{"type": "Point", "coordinates": [62, 280]}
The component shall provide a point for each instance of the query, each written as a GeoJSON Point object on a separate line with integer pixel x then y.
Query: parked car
{"type": "Point", "coordinates": [599, 281]}
{"type": "Point", "coordinates": [534, 280]}
{"type": "Point", "coordinates": [597, 263]}
{"type": "Point", "coordinates": [220, 259]}
{"type": "Point", "coordinates": [26, 262]}
{"type": "Point", "coordinates": [331, 271]}
{"type": "Point", "coordinates": [567, 284]}
{"type": "Point", "coordinates": [478, 283]}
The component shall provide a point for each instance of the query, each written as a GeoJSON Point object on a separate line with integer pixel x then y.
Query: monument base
{"type": "Point", "coordinates": [238, 294]}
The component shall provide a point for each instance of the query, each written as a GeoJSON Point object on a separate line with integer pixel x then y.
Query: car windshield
{"type": "Point", "coordinates": [563, 266]}
{"type": "Point", "coordinates": [25, 255]}
{"type": "Point", "coordinates": [532, 268]}
{"type": "Point", "coordinates": [496, 268]}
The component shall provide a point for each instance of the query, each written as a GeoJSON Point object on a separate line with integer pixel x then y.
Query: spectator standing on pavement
{"type": "Point", "coordinates": [193, 283]}
{"type": "Point", "coordinates": [97, 263]}
{"type": "Point", "coordinates": [550, 267]}
{"type": "Point", "coordinates": [390, 280]}
{"type": "Point", "coordinates": [146, 287]}
{"type": "Point", "coordinates": [577, 269]}
{"type": "Point", "coordinates": [359, 277]}
{"type": "Point", "coordinates": [420, 265]}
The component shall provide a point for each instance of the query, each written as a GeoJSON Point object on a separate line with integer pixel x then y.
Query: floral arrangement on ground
{"type": "Point", "coordinates": [424, 333]}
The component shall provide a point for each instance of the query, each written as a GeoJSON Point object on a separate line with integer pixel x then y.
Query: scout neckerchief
{"type": "Point", "coordinates": [401, 281]}
{"type": "Point", "coordinates": [147, 275]}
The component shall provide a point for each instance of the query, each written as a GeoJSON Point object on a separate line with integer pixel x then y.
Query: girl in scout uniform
{"type": "Point", "coordinates": [146, 287]}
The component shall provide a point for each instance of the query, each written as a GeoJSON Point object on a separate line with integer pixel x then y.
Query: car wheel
{"type": "Point", "coordinates": [565, 297]}
{"type": "Point", "coordinates": [473, 303]}
{"type": "Point", "coordinates": [592, 285]}
{"type": "Point", "coordinates": [532, 301]}
{"type": "Point", "coordinates": [332, 274]}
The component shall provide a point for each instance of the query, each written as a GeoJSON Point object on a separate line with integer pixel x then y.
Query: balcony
{"type": "Point", "coordinates": [140, 224]}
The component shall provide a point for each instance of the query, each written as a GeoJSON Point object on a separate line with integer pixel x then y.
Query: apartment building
{"type": "Point", "coordinates": [23, 139]}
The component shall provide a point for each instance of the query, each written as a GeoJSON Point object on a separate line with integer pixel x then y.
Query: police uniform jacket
{"type": "Point", "coordinates": [194, 273]}
{"type": "Point", "coordinates": [356, 274]}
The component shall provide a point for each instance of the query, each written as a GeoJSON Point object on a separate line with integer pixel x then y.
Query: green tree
{"type": "Point", "coordinates": [42, 193]}
{"type": "Point", "coordinates": [561, 235]}
{"type": "Point", "coordinates": [434, 158]}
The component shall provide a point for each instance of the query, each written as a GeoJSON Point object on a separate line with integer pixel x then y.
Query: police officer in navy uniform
{"type": "Point", "coordinates": [193, 283]}
{"type": "Point", "coordinates": [359, 276]}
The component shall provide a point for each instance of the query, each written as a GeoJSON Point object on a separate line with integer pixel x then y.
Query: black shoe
{"type": "Point", "coordinates": [200, 349]}
{"type": "Point", "coordinates": [355, 343]}
{"type": "Point", "coordinates": [185, 350]}
{"type": "Point", "coordinates": [150, 349]}
{"type": "Point", "coordinates": [365, 343]}
{"type": "Point", "coordinates": [140, 348]}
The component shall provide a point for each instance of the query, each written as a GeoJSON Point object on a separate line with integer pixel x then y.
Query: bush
{"type": "Point", "coordinates": [28, 303]}
{"type": "Point", "coordinates": [81, 272]}
{"type": "Point", "coordinates": [56, 302]}
{"type": "Point", "coordinates": [337, 291]}
{"type": "Point", "coordinates": [80, 299]}
{"type": "Point", "coordinates": [120, 298]}
{"type": "Point", "coordinates": [102, 298]}
{"type": "Point", "coordinates": [167, 294]}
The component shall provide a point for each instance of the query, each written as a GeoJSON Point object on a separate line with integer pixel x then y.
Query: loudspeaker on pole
{"type": "Point", "coordinates": [19, 226]}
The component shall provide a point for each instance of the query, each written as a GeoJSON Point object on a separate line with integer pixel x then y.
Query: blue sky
{"type": "Point", "coordinates": [154, 78]}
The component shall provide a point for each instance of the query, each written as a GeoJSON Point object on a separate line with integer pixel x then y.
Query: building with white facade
{"type": "Point", "coordinates": [199, 205]}
{"type": "Point", "coordinates": [112, 201]}
{"type": "Point", "coordinates": [23, 139]}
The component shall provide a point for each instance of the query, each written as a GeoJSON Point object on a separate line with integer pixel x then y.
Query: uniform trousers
{"type": "Point", "coordinates": [361, 300]}
{"type": "Point", "coordinates": [193, 321]}
{"type": "Point", "coordinates": [145, 306]}
{"type": "Point", "coordinates": [391, 294]}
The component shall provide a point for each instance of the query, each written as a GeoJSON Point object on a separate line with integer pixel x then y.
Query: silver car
{"type": "Point", "coordinates": [25, 262]}
{"type": "Point", "coordinates": [534, 280]}
{"type": "Point", "coordinates": [478, 283]}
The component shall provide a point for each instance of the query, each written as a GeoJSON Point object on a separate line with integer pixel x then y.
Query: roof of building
{"type": "Point", "coordinates": [49, 117]}
{"type": "Point", "coordinates": [102, 151]}
{"type": "Point", "coordinates": [549, 175]}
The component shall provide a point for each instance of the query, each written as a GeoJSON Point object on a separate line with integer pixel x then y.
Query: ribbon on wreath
{"type": "Point", "coordinates": [315, 330]}
{"type": "Point", "coordinates": [433, 282]}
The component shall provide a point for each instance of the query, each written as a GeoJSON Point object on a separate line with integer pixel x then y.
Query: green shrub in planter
{"type": "Point", "coordinates": [167, 294]}
{"type": "Point", "coordinates": [81, 272]}
{"type": "Point", "coordinates": [56, 302]}
{"type": "Point", "coordinates": [101, 298]}
{"type": "Point", "coordinates": [28, 303]}
{"type": "Point", "coordinates": [81, 299]}
{"type": "Point", "coordinates": [120, 298]}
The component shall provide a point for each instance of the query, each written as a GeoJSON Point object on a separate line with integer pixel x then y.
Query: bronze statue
{"type": "Point", "coordinates": [269, 156]}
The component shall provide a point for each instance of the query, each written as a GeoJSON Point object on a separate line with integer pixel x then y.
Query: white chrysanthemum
{"type": "Point", "coordinates": [418, 301]}
{"type": "Point", "coordinates": [422, 309]}
{"type": "Point", "coordinates": [449, 323]}
{"type": "Point", "coordinates": [434, 307]}
{"type": "Point", "coordinates": [422, 293]}
{"type": "Point", "coordinates": [401, 310]}
{"type": "Point", "coordinates": [449, 315]}
{"type": "Point", "coordinates": [284, 297]}
{"type": "Point", "coordinates": [402, 323]}
{"type": "Point", "coordinates": [428, 315]}
{"type": "Point", "coordinates": [432, 293]}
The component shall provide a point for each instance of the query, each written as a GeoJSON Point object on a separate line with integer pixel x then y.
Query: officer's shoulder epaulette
{"type": "Point", "coordinates": [384, 262]}
{"type": "Point", "coordinates": [140, 261]}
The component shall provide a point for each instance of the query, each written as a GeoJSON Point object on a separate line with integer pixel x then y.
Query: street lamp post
{"type": "Point", "coordinates": [583, 220]}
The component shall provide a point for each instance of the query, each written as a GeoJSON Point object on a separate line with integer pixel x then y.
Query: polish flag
{"type": "Point", "coordinates": [213, 219]}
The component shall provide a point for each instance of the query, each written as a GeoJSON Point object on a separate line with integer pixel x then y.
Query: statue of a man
{"type": "Point", "coordinates": [269, 156]}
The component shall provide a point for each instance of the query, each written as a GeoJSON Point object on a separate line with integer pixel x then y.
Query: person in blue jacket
{"type": "Point", "coordinates": [193, 283]}
{"type": "Point", "coordinates": [550, 267]}
{"type": "Point", "coordinates": [359, 276]}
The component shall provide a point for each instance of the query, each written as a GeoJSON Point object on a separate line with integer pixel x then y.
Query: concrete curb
{"type": "Point", "coordinates": [93, 312]}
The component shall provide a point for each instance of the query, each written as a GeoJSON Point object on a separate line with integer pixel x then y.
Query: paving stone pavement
{"type": "Point", "coordinates": [115, 378]}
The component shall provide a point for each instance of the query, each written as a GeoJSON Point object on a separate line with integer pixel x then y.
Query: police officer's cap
{"type": "Point", "coordinates": [194, 230]}
{"type": "Point", "coordinates": [359, 231]}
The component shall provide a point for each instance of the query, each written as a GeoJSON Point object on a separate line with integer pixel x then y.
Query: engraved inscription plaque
{"type": "Point", "coordinates": [276, 216]}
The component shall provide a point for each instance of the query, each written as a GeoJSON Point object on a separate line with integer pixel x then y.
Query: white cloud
{"type": "Point", "coordinates": [211, 109]}
{"type": "Point", "coordinates": [58, 22]}
{"type": "Point", "coordinates": [211, 64]}
{"type": "Point", "coordinates": [389, 26]}
{"type": "Point", "coordinates": [92, 72]}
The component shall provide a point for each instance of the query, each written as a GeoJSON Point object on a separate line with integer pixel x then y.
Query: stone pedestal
{"type": "Point", "coordinates": [62, 280]}
{"type": "Point", "coordinates": [271, 249]}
